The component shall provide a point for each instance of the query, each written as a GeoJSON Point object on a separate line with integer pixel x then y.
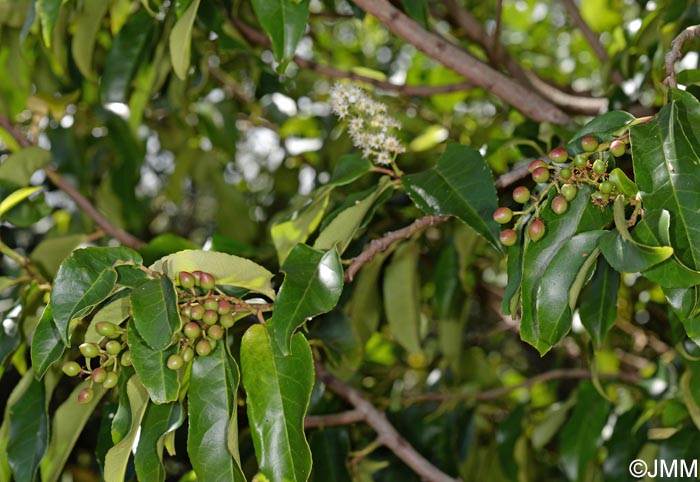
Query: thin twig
{"type": "Point", "coordinates": [675, 53]}
{"type": "Point", "coordinates": [14, 132]}
{"type": "Point", "coordinates": [334, 419]}
{"type": "Point", "coordinates": [387, 434]}
{"type": "Point", "coordinates": [496, 393]}
{"type": "Point", "coordinates": [26, 265]}
{"type": "Point", "coordinates": [86, 206]}
{"type": "Point", "coordinates": [410, 90]}
{"type": "Point", "coordinates": [591, 37]}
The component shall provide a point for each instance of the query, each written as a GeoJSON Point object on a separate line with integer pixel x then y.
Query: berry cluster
{"type": "Point", "coordinates": [111, 353]}
{"type": "Point", "coordinates": [566, 175]}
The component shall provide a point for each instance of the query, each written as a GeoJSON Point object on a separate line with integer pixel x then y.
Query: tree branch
{"type": "Point", "coordinates": [675, 53]}
{"type": "Point", "coordinates": [591, 37]}
{"type": "Point", "coordinates": [480, 74]}
{"type": "Point", "coordinates": [333, 419]}
{"type": "Point", "coordinates": [387, 434]}
{"type": "Point", "coordinates": [410, 90]}
{"type": "Point", "coordinates": [14, 132]}
{"type": "Point", "coordinates": [86, 206]}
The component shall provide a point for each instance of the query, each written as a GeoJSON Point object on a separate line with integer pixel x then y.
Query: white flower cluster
{"type": "Point", "coordinates": [370, 128]}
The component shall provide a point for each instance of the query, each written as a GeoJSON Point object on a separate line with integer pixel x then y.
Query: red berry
{"type": "Point", "coordinates": [558, 155]}
{"type": "Point", "coordinates": [541, 174]}
{"type": "Point", "coordinates": [502, 215]}
{"type": "Point", "coordinates": [508, 237]}
{"type": "Point", "coordinates": [535, 164]}
{"type": "Point", "coordinates": [617, 148]}
{"type": "Point", "coordinates": [560, 204]}
{"type": "Point", "coordinates": [197, 275]}
{"type": "Point", "coordinates": [536, 229]}
{"type": "Point", "coordinates": [206, 282]}
{"type": "Point", "coordinates": [99, 375]}
{"type": "Point", "coordinates": [186, 279]}
{"type": "Point", "coordinates": [224, 307]}
{"type": "Point", "coordinates": [589, 143]}
{"type": "Point", "coordinates": [85, 395]}
{"type": "Point", "coordinates": [521, 194]}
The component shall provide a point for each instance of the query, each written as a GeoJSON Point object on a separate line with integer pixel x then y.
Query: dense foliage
{"type": "Point", "coordinates": [290, 240]}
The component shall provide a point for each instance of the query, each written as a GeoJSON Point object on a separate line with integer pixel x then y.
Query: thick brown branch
{"type": "Point", "coordinates": [86, 206]}
{"type": "Point", "coordinates": [333, 419]}
{"type": "Point", "coordinates": [480, 74]}
{"type": "Point", "coordinates": [387, 434]}
{"type": "Point", "coordinates": [675, 53]}
{"type": "Point", "coordinates": [496, 393]}
{"type": "Point", "coordinates": [411, 90]}
{"type": "Point", "coordinates": [387, 240]}
{"type": "Point", "coordinates": [591, 37]}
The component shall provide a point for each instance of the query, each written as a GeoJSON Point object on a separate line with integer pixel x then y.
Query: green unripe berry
{"type": "Point", "coordinates": [521, 194]}
{"type": "Point", "coordinates": [186, 311]}
{"type": "Point", "coordinates": [565, 173]}
{"type": "Point", "coordinates": [210, 317]}
{"type": "Point", "coordinates": [85, 395]}
{"type": "Point", "coordinates": [71, 369]}
{"type": "Point", "coordinates": [186, 280]}
{"type": "Point", "coordinates": [617, 148]}
{"type": "Point", "coordinates": [580, 161]}
{"type": "Point", "coordinates": [558, 155]}
{"type": "Point", "coordinates": [207, 282]}
{"type": "Point", "coordinates": [175, 362]}
{"type": "Point", "coordinates": [192, 330]}
{"type": "Point", "coordinates": [197, 312]}
{"type": "Point", "coordinates": [536, 229]}
{"type": "Point", "coordinates": [224, 307]}
{"type": "Point", "coordinates": [502, 215]}
{"type": "Point", "coordinates": [113, 347]}
{"type": "Point", "coordinates": [203, 348]}
{"type": "Point", "coordinates": [89, 350]}
{"type": "Point", "coordinates": [110, 380]}
{"type": "Point", "coordinates": [226, 320]}
{"type": "Point", "coordinates": [589, 143]}
{"type": "Point", "coordinates": [187, 354]}
{"type": "Point", "coordinates": [105, 328]}
{"type": "Point", "coordinates": [211, 304]}
{"type": "Point", "coordinates": [599, 167]}
{"type": "Point", "coordinates": [215, 332]}
{"type": "Point", "coordinates": [98, 375]}
{"type": "Point", "coordinates": [125, 359]}
{"type": "Point", "coordinates": [197, 277]}
{"type": "Point", "coordinates": [535, 164]}
{"type": "Point", "coordinates": [559, 204]}
{"type": "Point", "coordinates": [569, 191]}
{"type": "Point", "coordinates": [508, 237]}
{"type": "Point", "coordinates": [606, 187]}
{"type": "Point", "coordinates": [541, 174]}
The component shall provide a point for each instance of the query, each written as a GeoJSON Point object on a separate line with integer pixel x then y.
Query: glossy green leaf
{"type": "Point", "coordinates": [284, 21]}
{"type": "Point", "coordinates": [401, 297]}
{"type": "Point", "coordinates": [627, 439]}
{"type": "Point", "coordinates": [148, 458]}
{"type": "Point", "coordinates": [341, 230]}
{"type": "Point", "coordinates": [125, 55]}
{"type": "Point", "coordinates": [17, 391]}
{"type": "Point", "coordinates": [181, 40]}
{"type": "Point", "coordinates": [461, 185]}
{"type": "Point", "coordinates": [279, 388]}
{"type": "Point", "coordinates": [623, 183]}
{"type": "Point", "coordinates": [213, 434]}
{"type": "Point", "coordinates": [604, 127]}
{"type": "Point", "coordinates": [130, 276]}
{"type": "Point", "coordinates": [350, 168]}
{"type": "Point", "coordinates": [364, 307]}
{"type": "Point", "coordinates": [580, 437]}
{"type": "Point", "coordinates": [122, 415]}
{"type": "Point", "coordinates": [417, 10]}
{"type": "Point", "coordinates": [29, 434]}
{"type": "Point", "coordinates": [85, 279]}
{"type": "Point", "coordinates": [163, 245]}
{"type": "Point", "coordinates": [582, 216]}
{"type": "Point", "coordinates": [507, 435]}
{"type": "Point", "coordinates": [15, 198]}
{"type": "Point", "coordinates": [312, 285]}
{"type": "Point", "coordinates": [48, 11]}
{"type": "Point", "coordinates": [150, 364]}
{"type": "Point", "coordinates": [19, 166]}
{"type": "Point", "coordinates": [86, 27]}
{"type": "Point", "coordinates": [67, 423]}
{"type": "Point", "coordinates": [330, 448]}
{"type": "Point", "coordinates": [47, 346]}
{"type": "Point", "coordinates": [290, 232]}
{"type": "Point", "coordinates": [118, 456]}
{"type": "Point", "coordinates": [226, 268]}
{"type": "Point", "coordinates": [560, 285]}
{"type": "Point", "coordinates": [598, 309]}
{"type": "Point", "coordinates": [155, 312]}
{"type": "Point", "coordinates": [666, 170]}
